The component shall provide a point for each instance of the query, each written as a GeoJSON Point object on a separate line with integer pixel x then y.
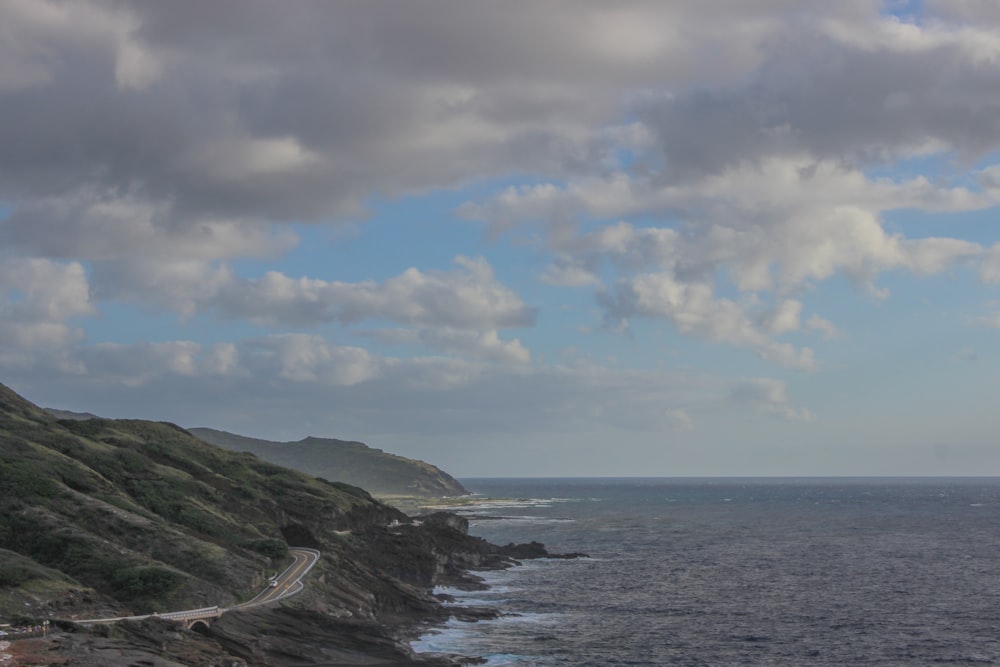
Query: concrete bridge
{"type": "Point", "coordinates": [195, 617]}
{"type": "Point", "coordinates": [285, 585]}
{"type": "Point", "coordinates": [189, 618]}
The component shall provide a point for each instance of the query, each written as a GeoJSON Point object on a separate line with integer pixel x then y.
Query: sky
{"type": "Point", "coordinates": [519, 238]}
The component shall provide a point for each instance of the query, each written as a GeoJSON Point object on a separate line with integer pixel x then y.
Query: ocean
{"type": "Point", "coordinates": [731, 571]}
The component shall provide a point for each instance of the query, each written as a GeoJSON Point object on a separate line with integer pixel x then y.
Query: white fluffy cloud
{"type": "Point", "coordinates": [141, 160]}
{"type": "Point", "coordinates": [135, 365]}
{"type": "Point", "coordinates": [296, 358]}
{"type": "Point", "coordinates": [186, 287]}
{"type": "Point", "coordinates": [475, 345]}
{"type": "Point", "coordinates": [776, 226]}
{"type": "Point", "coordinates": [39, 299]}
{"type": "Point", "coordinates": [304, 358]}
{"type": "Point", "coordinates": [484, 345]}
{"type": "Point", "coordinates": [147, 149]}
{"type": "Point", "coordinates": [250, 112]}
{"type": "Point", "coordinates": [694, 310]}
{"type": "Point", "coordinates": [774, 182]}
{"type": "Point", "coordinates": [467, 298]}
{"type": "Point", "coordinates": [251, 384]}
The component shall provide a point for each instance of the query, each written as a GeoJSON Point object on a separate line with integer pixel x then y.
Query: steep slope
{"type": "Point", "coordinates": [146, 514]}
{"type": "Point", "coordinates": [343, 461]}
{"type": "Point", "coordinates": [102, 517]}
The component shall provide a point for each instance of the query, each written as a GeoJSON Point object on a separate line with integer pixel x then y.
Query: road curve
{"type": "Point", "coordinates": [286, 584]}
{"type": "Point", "coordinates": [289, 582]}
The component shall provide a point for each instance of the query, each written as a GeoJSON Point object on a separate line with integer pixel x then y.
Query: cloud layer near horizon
{"type": "Point", "coordinates": [707, 169]}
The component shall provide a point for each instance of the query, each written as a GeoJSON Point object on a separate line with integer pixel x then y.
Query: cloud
{"type": "Point", "coordinates": [911, 88]}
{"type": "Point", "coordinates": [135, 365]}
{"type": "Point", "coordinates": [248, 115]}
{"type": "Point", "coordinates": [694, 310]}
{"type": "Point", "coordinates": [778, 226]}
{"type": "Point", "coordinates": [990, 321]}
{"type": "Point", "coordinates": [990, 270]}
{"type": "Point", "coordinates": [777, 223]}
{"type": "Point", "coordinates": [292, 385]}
{"type": "Point", "coordinates": [113, 225]}
{"type": "Point", "coordinates": [297, 358]}
{"type": "Point", "coordinates": [680, 419]}
{"type": "Point", "coordinates": [248, 112]}
{"type": "Point", "coordinates": [146, 148]}
{"type": "Point", "coordinates": [457, 311]}
{"type": "Point", "coordinates": [980, 13]}
{"type": "Point", "coordinates": [766, 172]}
{"type": "Point", "coordinates": [305, 358]}
{"type": "Point", "coordinates": [39, 300]}
{"type": "Point", "coordinates": [784, 317]}
{"type": "Point", "coordinates": [467, 298]}
{"type": "Point", "coordinates": [934, 255]}
{"type": "Point", "coordinates": [565, 273]}
{"type": "Point", "coordinates": [770, 396]}
{"type": "Point", "coordinates": [824, 326]}
{"type": "Point", "coordinates": [485, 345]}
{"type": "Point", "coordinates": [186, 287]}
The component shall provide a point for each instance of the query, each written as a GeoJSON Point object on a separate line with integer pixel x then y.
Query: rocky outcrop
{"type": "Point", "coordinates": [370, 594]}
{"type": "Point", "coordinates": [286, 637]}
{"type": "Point", "coordinates": [104, 518]}
{"type": "Point", "coordinates": [533, 550]}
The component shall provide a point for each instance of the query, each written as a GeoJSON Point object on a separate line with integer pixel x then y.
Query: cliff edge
{"type": "Point", "coordinates": [106, 517]}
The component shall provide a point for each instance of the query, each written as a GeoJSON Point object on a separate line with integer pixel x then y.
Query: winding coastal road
{"type": "Point", "coordinates": [289, 582]}
{"type": "Point", "coordinates": [285, 585]}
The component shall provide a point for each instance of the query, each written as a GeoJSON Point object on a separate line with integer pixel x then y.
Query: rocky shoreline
{"type": "Point", "coordinates": [115, 518]}
{"type": "Point", "coordinates": [319, 628]}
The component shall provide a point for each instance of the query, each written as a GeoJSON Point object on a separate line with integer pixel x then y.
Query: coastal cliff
{"type": "Point", "coordinates": [376, 471]}
{"type": "Point", "coordinates": [113, 517]}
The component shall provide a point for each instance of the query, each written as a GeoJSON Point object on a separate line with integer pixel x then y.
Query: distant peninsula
{"type": "Point", "coordinates": [350, 462]}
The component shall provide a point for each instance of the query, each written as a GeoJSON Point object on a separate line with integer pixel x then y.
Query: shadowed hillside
{"type": "Point", "coordinates": [145, 514]}
{"type": "Point", "coordinates": [102, 517]}
{"type": "Point", "coordinates": [344, 461]}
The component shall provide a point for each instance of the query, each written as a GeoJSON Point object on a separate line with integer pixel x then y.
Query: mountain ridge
{"type": "Point", "coordinates": [348, 461]}
{"type": "Point", "coordinates": [102, 517]}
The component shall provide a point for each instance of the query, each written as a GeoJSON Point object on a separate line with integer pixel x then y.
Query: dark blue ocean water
{"type": "Point", "coordinates": [740, 572]}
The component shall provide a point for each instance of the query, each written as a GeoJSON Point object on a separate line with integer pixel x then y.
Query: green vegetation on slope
{"type": "Point", "coordinates": [345, 461]}
{"type": "Point", "coordinates": [148, 515]}
{"type": "Point", "coordinates": [108, 517]}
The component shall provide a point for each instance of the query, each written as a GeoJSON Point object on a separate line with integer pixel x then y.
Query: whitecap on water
{"type": "Point", "coordinates": [517, 520]}
{"type": "Point", "coordinates": [462, 638]}
{"type": "Point", "coordinates": [504, 503]}
{"type": "Point", "coordinates": [451, 638]}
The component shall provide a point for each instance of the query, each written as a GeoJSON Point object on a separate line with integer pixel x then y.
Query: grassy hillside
{"type": "Point", "coordinates": [142, 515]}
{"type": "Point", "coordinates": [351, 462]}
{"type": "Point", "coordinates": [104, 517]}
